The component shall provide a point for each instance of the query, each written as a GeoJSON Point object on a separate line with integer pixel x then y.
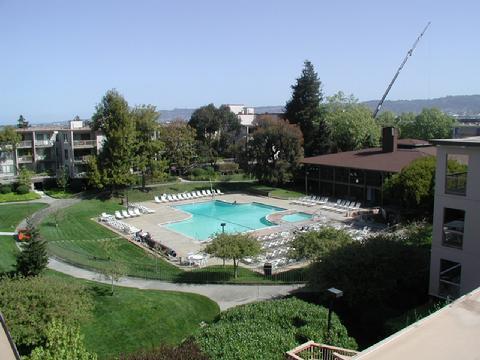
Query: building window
{"type": "Point", "coordinates": [450, 277]}
{"type": "Point", "coordinates": [66, 154]}
{"type": "Point", "coordinates": [7, 169]}
{"type": "Point", "coordinates": [453, 224]}
{"type": "Point", "coordinates": [456, 174]}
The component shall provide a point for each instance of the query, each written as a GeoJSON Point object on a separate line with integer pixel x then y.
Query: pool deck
{"type": "Point", "coordinates": [183, 245]}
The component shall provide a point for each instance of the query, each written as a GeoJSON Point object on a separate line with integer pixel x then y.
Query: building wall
{"type": "Point", "coordinates": [469, 255]}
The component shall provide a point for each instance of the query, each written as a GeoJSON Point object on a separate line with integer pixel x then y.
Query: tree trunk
{"type": "Point", "coordinates": [235, 268]}
{"type": "Point", "coordinates": [143, 180]}
{"type": "Point", "coordinates": [112, 285]}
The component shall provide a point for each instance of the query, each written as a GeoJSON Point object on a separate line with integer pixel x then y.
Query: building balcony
{"type": "Point", "coordinates": [44, 143]}
{"type": "Point", "coordinates": [456, 183]}
{"type": "Point", "coordinates": [43, 158]}
{"type": "Point", "coordinates": [24, 144]}
{"type": "Point", "coordinates": [25, 159]}
{"type": "Point", "coordinates": [80, 175]}
{"type": "Point", "coordinates": [84, 143]}
{"type": "Point", "coordinates": [313, 351]}
{"type": "Point", "coordinates": [81, 159]}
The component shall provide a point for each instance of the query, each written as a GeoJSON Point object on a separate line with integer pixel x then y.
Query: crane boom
{"type": "Point", "coordinates": [409, 53]}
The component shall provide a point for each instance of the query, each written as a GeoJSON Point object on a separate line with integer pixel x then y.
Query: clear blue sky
{"type": "Point", "coordinates": [59, 57]}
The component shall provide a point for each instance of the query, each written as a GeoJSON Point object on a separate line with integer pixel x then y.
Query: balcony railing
{"type": "Point", "coordinates": [44, 142]}
{"type": "Point", "coordinates": [81, 159]}
{"type": "Point", "coordinates": [456, 183]}
{"type": "Point", "coordinates": [24, 144]}
{"type": "Point", "coordinates": [84, 143]}
{"type": "Point", "coordinates": [313, 351]}
{"type": "Point", "coordinates": [25, 159]}
{"type": "Point", "coordinates": [452, 238]}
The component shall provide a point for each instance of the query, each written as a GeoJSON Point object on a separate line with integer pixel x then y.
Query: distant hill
{"type": "Point", "coordinates": [458, 105]}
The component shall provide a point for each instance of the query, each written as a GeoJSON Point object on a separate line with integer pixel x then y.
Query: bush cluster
{"type": "Point", "coordinates": [5, 189]}
{"type": "Point", "coordinates": [22, 189]}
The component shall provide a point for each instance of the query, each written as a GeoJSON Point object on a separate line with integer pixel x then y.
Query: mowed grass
{"type": "Point", "coordinates": [8, 252]}
{"type": "Point", "coordinates": [11, 215]}
{"type": "Point", "coordinates": [18, 197]}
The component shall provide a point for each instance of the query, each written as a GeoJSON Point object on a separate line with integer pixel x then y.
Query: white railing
{"type": "Point", "coordinates": [25, 158]}
{"type": "Point", "coordinates": [24, 144]}
{"type": "Point", "coordinates": [313, 351]}
{"type": "Point", "coordinates": [44, 142]}
{"type": "Point", "coordinates": [84, 142]}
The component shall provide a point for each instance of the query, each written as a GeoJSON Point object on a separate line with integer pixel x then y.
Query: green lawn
{"type": "Point", "coordinates": [59, 193]}
{"type": "Point", "coordinates": [8, 250]}
{"type": "Point", "coordinates": [17, 197]}
{"type": "Point", "coordinates": [12, 215]}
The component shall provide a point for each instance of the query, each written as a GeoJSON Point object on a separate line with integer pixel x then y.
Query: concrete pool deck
{"type": "Point", "coordinates": [183, 245]}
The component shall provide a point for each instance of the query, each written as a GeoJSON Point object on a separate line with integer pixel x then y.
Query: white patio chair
{"type": "Point", "coordinates": [219, 192]}
{"type": "Point", "coordinates": [137, 211]}
{"type": "Point", "coordinates": [157, 200]}
{"type": "Point", "coordinates": [125, 214]}
{"type": "Point", "coordinates": [204, 193]}
{"type": "Point", "coordinates": [131, 213]}
{"type": "Point", "coordinates": [118, 215]}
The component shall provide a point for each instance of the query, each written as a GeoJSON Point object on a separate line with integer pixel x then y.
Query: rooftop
{"type": "Point", "coordinates": [373, 159]}
{"type": "Point", "coordinates": [450, 333]}
{"type": "Point", "coordinates": [469, 141]}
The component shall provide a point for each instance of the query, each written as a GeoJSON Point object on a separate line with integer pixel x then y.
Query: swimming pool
{"type": "Point", "coordinates": [207, 218]}
{"type": "Point", "coordinates": [299, 216]}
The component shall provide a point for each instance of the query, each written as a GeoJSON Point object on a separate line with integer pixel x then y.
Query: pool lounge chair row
{"type": "Point", "coordinates": [143, 209]}
{"type": "Point", "coordinates": [310, 200]}
{"type": "Point", "coordinates": [165, 198]}
{"type": "Point", "coordinates": [120, 225]}
{"type": "Point", "coordinates": [342, 206]}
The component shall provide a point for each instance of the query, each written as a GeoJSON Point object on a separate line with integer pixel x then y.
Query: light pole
{"type": "Point", "coordinates": [223, 227]}
{"type": "Point", "coordinates": [334, 294]}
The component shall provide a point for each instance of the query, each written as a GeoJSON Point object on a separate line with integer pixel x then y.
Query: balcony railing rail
{"type": "Point", "coordinates": [82, 158]}
{"type": "Point", "coordinates": [84, 142]}
{"type": "Point", "coordinates": [313, 351]}
{"type": "Point", "coordinates": [25, 158]}
{"type": "Point", "coordinates": [456, 183]}
{"type": "Point", "coordinates": [44, 142]}
{"type": "Point", "coordinates": [24, 144]}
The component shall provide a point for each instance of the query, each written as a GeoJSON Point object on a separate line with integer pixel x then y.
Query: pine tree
{"type": "Point", "coordinates": [305, 109]}
{"type": "Point", "coordinates": [33, 258]}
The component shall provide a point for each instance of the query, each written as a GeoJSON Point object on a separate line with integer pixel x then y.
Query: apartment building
{"type": "Point", "coordinates": [45, 149]}
{"type": "Point", "coordinates": [455, 256]}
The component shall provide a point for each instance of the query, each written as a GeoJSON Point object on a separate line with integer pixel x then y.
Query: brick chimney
{"type": "Point", "coordinates": [389, 139]}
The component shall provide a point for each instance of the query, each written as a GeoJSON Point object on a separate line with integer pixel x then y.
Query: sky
{"type": "Point", "coordinates": [58, 58]}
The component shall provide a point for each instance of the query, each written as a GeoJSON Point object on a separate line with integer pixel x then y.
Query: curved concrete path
{"type": "Point", "coordinates": [226, 296]}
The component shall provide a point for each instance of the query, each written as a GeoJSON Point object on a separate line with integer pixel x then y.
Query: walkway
{"type": "Point", "coordinates": [226, 296]}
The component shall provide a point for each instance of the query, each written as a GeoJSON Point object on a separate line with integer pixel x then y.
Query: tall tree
{"type": "Point", "coordinates": [22, 123]}
{"type": "Point", "coordinates": [233, 246]}
{"type": "Point", "coordinates": [117, 157]}
{"type": "Point", "coordinates": [351, 124]}
{"type": "Point", "coordinates": [148, 151]}
{"type": "Point", "coordinates": [305, 109]}
{"type": "Point", "coordinates": [215, 127]}
{"type": "Point", "coordinates": [33, 258]}
{"type": "Point", "coordinates": [179, 140]}
{"type": "Point", "coordinates": [276, 146]}
{"type": "Point", "coordinates": [429, 124]}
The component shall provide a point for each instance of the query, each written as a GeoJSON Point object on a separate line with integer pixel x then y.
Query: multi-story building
{"type": "Point", "coordinates": [455, 256]}
{"type": "Point", "coordinates": [466, 126]}
{"type": "Point", "coordinates": [48, 148]}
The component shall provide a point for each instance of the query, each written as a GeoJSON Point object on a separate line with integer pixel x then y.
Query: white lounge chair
{"type": "Point", "coordinates": [188, 195]}
{"type": "Point", "coordinates": [175, 198]}
{"type": "Point", "coordinates": [219, 192]}
{"type": "Point", "coordinates": [182, 196]}
{"type": "Point", "coordinates": [137, 211]}
{"type": "Point", "coordinates": [199, 194]}
{"type": "Point", "coordinates": [131, 213]}
{"type": "Point", "coordinates": [125, 214]}
{"type": "Point", "coordinates": [118, 215]}
{"type": "Point", "coordinates": [209, 193]}
{"type": "Point", "coordinates": [194, 194]}
{"type": "Point", "coordinates": [204, 193]}
{"type": "Point", "coordinates": [157, 200]}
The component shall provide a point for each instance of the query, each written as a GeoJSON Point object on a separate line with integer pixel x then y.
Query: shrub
{"type": "Point", "coordinates": [5, 189]}
{"type": "Point", "coordinates": [22, 189]}
{"type": "Point", "coordinates": [268, 329]}
{"type": "Point", "coordinates": [186, 351]}
{"type": "Point", "coordinates": [227, 167]}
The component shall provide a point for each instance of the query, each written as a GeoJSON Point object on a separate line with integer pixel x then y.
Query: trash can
{"type": "Point", "coordinates": [267, 269]}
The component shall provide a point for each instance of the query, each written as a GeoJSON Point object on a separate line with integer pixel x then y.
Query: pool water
{"type": "Point", "coordinates": [299, 216]}
{"type": "Point", "coordinates": [207, 217]}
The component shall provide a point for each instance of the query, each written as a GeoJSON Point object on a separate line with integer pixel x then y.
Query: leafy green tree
{"type": "Point", "coordinates": [30, 304]}
{"type": "Point", "coordinates": [25, 177]}
{"type": "Point", "coordinates": [179, 140]}
{"type": "Point", "coordinates": [33, 258]}
{"type": "Point", "coordinates": [315, 245]}
{"type": "Point", "coordinates": [414, 186]}
{"type": "Point", "coordinates": [429, 124]}
{"type": "Point", "coordinates": [305, 109]}
{"type": "Point", "coordinates": [387, 118]}
{"type": "Point", "coordinates": [113, 269]}
{"type": "Point", "coordinates": [233, 246]}
{"type": "Point", "coordinates": [215, 127]}
{"type": "Point", "coordinates": [276, 147]}
{"type": "Point", "coordinates": [268, 329]}
{"type": "Point", "coordinates": [63, 342]}
{"type": "Point", "coordinates": [22, 123]}
{"type": "Point", "coordinates": [148, 151]}
{"type": "Point", "coordinates": [8, 136]}
{"type": "Point", "coordinates": [62, 177]}
{"type": "Point", "coordinates": [117, 157]}
{"type": "Point", "coordinates": [351, 124]}
{"type": "Point", "coordinates": [94, 174]}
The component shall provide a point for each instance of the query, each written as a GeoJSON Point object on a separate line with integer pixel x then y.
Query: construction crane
{"type": "Point", "coordinates": [409, 53]}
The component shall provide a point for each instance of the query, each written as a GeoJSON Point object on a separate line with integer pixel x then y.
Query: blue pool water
{"type": "Point", "coordinates": [207, 217]}
{"type": "Point", "coordinates": [300, 216]}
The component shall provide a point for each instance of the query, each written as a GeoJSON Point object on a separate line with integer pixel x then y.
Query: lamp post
{"type": "Point", "coordinates": [223, 227]}
{"type": "Point", "coordinates": [334, 294]}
